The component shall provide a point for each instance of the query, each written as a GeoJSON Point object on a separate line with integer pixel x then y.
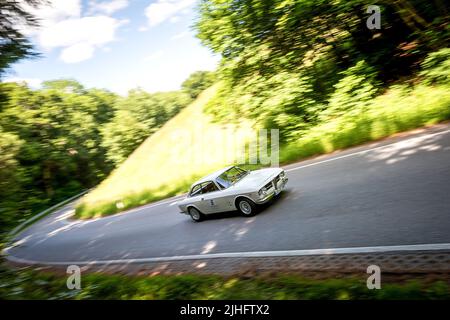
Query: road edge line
{"type": "Point", "coordinates": [255, 254]}
{"type": "Point", "coordinates": [365, 151]}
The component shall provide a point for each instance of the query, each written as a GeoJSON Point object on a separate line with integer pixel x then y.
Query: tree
{"type": "Point", "coordinates": [50, 144]}
{"type": "Point", "coordinates": [13, 43]}
{"type": "Point", "coordinates": [284, 62]}
{"type": "Point", "coordinates": [10, 176]}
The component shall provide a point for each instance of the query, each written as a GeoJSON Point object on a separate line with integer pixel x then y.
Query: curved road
{"type": "Point", "coordinates": [393, 192]}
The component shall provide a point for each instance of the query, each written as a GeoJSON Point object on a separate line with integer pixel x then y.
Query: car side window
{"type": "Point", "coordinates": [221, 185]}
{"type": "Point", "coordinates": [209, 187]}
{"type": "Point", "coordinates": [196, 190]}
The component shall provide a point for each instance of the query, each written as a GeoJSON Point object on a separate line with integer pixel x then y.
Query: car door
{"type": "Point", "coordinates": [195, 196]}
{"type": "Point", "coordinates": [210, 199]}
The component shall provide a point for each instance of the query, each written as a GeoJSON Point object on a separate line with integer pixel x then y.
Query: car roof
{"type": "Point", "coordinates": [212, 176]}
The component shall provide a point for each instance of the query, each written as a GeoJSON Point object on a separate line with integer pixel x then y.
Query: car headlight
{"type": "Point", "coordinates": [263, 190]}
{"type": "Point", "coordinates": [282, 174]}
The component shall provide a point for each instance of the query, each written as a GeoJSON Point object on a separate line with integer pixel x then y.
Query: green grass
{"type": "Point", "coordinates": [154, 171]}
{"type": "Point", "coordinates": [34, 285]}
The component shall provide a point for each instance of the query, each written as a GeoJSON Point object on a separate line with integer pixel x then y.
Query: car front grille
{"type": "Point", "coordinates": [275, 181]}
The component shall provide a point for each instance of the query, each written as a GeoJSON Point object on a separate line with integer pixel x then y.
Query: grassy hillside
{"type": "Point", "coordinates": [185, 148]}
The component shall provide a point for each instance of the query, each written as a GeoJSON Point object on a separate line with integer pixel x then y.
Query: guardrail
{"type": "Point", "coordinates": [34, 218]}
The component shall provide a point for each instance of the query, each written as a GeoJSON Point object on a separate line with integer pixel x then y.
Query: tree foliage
{"type": "Point", "coordinates": [64, 138]}
{"type": "Point", "coordinates": [136, 117]}
{"type": "Point", "coordinates": [60, 151]}
{"type": "Point", "coordinates": [285, 62]}
{"type": "Point", "coordinates": [436, 67]}
{"type": "Point", "coordinates": [197, 82]}
{"type": "Point", "coordinates": [13, 43]}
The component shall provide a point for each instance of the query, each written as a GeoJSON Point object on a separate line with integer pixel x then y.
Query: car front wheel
{"type": "Point", "coordinates": [195, 214]}
{"type": "Point", "coordinates": [246, 207]}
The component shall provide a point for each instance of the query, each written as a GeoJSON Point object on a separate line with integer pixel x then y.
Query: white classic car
{"type": "Point", "coordinates": [231, 189]}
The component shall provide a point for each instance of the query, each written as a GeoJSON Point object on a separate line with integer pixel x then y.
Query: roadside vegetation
{"type": "Point", "coordinates": [26, 284]}
{"type": "Point", "coordinates": [315, 71]}
{"type": "Point", "coordinates": [401, 108]}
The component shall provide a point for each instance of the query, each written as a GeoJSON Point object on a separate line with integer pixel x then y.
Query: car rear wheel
{"type": "Point", "coordinates": [246, 207]}
{"type": "Point", "coordinates": [195, 214]}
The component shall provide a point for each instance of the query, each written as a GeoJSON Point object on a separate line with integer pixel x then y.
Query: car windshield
{"type": "Point", "coordinates": [231, 176]}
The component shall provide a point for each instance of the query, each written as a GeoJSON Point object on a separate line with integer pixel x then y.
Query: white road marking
{"type": "Point", "coordinates": [65, 215]}
{"type": "Point", "coordinates": [365, 151]}
{"type": "Point", "coordinates": [254, 254]}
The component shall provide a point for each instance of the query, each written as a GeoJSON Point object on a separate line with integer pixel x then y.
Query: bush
{"type": "Point", "coordinates": [352, 92]}
{"type": "Point", "coordinates": [436, 67]}
{"type": "Point", "coordinates": [398, 110]}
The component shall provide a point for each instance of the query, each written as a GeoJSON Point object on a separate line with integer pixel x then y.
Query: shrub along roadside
{"type": "Point", "coordinates": [400, 109]}
{"type": "Point", "coordinates": [24, 284]}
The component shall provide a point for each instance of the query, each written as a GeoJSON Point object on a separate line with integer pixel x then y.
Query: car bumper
{"type": "Point", "coordinates": [182, 210]}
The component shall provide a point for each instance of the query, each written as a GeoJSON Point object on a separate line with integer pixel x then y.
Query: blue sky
{"type": "Point", "coordinates": [116, 44]}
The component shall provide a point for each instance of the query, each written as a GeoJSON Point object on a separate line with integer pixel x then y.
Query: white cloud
{"type": "Point", "coordinates": [55, 11]}
{"type": "Point", "coordinates": [163, 10]}
{"type": "Point", "coordinates": [77, 52]}
{"type": "Point", "coordinates": [51, 13]}
{"type": "Point", "coordinates": [95, 30]}
{"type": "Point", "coordinates": [59, 10]}
{"type": "Point", "coordinates": [31, 82]}
{"type": "Point", "coordinates": [79, 37]}
{"type": "Point", "coordinates": [64, 27]}
{"type": "Point", "coordinates": [107, 7]}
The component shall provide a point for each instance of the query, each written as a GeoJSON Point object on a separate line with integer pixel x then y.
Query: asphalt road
{"type": "Point", "coordinates": [394, 192]}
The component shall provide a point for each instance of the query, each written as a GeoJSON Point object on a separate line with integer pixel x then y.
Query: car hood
{"type": "Point", "coordinates": [258, 178]}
